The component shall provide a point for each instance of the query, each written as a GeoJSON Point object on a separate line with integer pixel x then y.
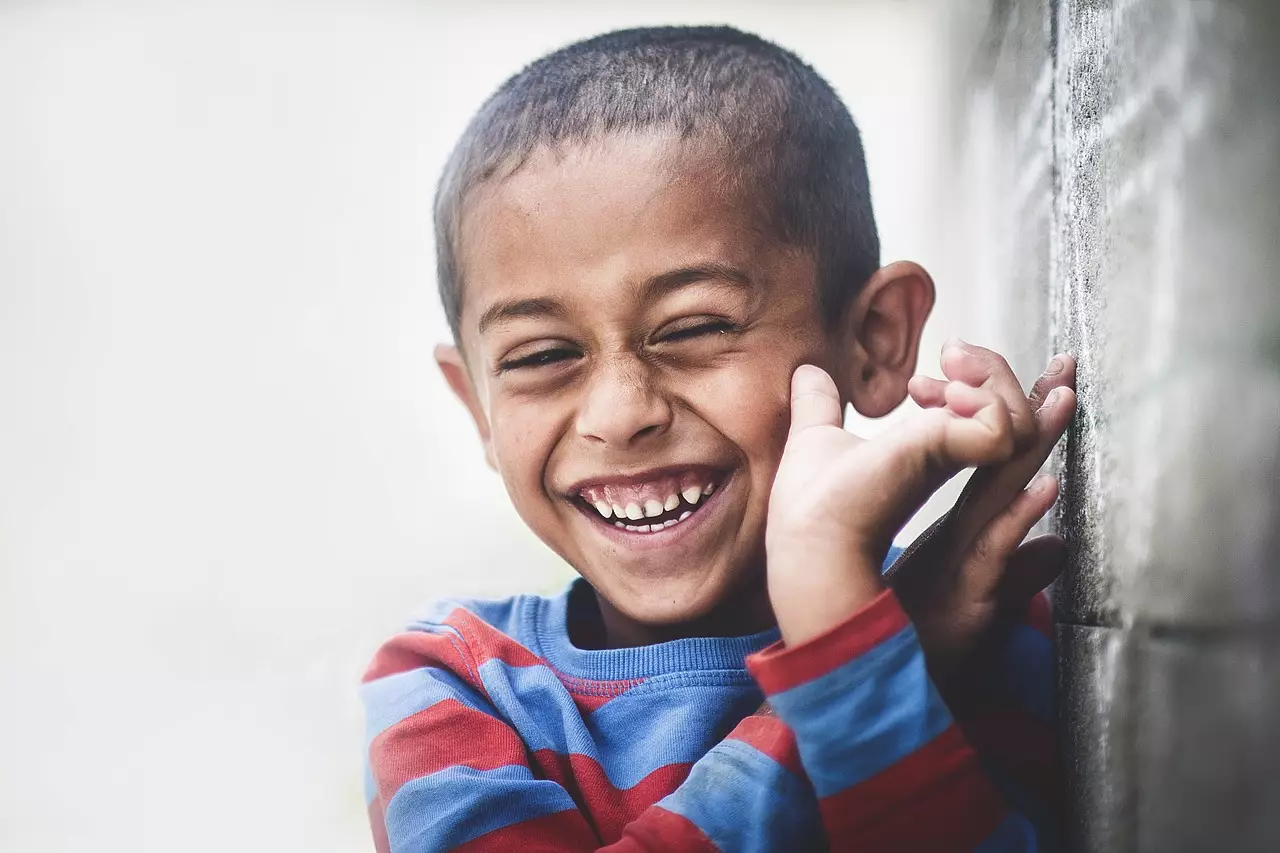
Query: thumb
{"type": "Point", "coordinates": [1036, 564]}
{"type": "Point", "coordinates": [815, 401]}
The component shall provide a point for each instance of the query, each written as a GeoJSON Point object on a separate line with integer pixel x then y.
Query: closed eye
{"type": "Point", "coordinates": [714, 327]}
{"type": "Point", "coordinates": [543, 358]}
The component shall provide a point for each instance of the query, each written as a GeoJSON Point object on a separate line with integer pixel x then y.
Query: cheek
{"type": "Point", "coordinates": [749, 405]}
{"type": "Point", "coordinates": [522, 438]}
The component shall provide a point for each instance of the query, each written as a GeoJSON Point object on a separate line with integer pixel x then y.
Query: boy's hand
{"type": "Point", "coordinates": [837, 500]}
{"type": "Point", "coordinates": [971, 567]}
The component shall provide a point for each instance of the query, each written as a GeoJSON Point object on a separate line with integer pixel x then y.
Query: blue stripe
{"type": "Point", "coordinates": [1026, 673]}
{"type": "Point", "coordinates": [370, 786]}
{"type": "Point", "coordinates": [1026, 805]}
{"type": "Point", "coordinates": [502, 614]}
{"type": "Point", "coordinates": [631, 735]}
{"type": "Point", "coordinates": [1013, 834]}
{"type": "Point", "coordinates": [393, 698]}
{"type": "Point", "coordinates": [864, 716]}
{"type": "Point", "coordinates": [639, 732]}
{"type": "Point", "coordinates": [743, 800]}
{"type": "Point", "coordinates": [892, 557]}
{"type": "Point", "coordinates": [457, 804]}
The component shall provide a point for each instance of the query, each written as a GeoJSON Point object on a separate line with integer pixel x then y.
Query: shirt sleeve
{"type": "Point", "coordinates": [891, 768]}
{"type": "Point", "coordinates": [1011, 719]}
{"type": "Point", "coordinates": [444, 772]}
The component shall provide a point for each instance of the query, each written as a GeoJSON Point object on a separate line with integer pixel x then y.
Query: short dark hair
{"type": "Point", "coordinates": [785, 127]}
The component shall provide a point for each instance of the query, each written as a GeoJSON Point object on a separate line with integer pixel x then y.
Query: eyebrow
{"type": "Point", "coordinates": [664, 283]}
{"type": "Point", "coordinates": [511, 309]}
{"type": "Point", "coordinates": [658, 286]}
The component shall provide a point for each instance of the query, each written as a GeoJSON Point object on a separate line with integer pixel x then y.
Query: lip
{"type": "Point", "coordinates": [680, 534]}
{"type": "Point", "coordinates": [710, 472]}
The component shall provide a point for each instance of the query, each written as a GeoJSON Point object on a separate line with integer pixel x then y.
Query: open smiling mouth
{"type": "Point", "coordinates": [651, 506]}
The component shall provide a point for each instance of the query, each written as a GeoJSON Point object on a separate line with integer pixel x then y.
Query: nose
{"type": "Point", "coordinates": [621, 407]}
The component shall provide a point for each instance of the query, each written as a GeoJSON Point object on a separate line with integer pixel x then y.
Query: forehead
{"type": "Point", "coordinates": [606, 213]}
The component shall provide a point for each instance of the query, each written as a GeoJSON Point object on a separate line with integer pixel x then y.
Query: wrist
{"type": "Point", "coordinates": [816, 584]}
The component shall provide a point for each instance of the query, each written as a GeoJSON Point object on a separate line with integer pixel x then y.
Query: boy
{"type": "Point", "coordinates": [661, 269]}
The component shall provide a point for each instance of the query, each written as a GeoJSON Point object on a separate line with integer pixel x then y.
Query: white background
{"type": "Point", "coordinates": [227, 465]}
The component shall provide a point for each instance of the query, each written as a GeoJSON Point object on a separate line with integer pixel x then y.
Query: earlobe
{"type": "Point", "coordinates": [887, 320]}
{"type": "Point", "coordinates": [455, 373]}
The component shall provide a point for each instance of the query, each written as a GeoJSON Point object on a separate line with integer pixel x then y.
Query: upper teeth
{"type": "Point", "coordinates": [652, 507]}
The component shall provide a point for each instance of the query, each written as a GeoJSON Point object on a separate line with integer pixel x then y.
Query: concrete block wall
{"type": "Point", "coordinates": [1116, 194]}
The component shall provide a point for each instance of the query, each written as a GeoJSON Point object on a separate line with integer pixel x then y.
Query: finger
{"type": "Point", "coordinates": [927, 392]}
{"type": "Point", "coordinates": [1061, 373]}
{"type": "Point", "coordinates": [1052, 419]}
{"type": "Point", "coordinates": [984, 569]}
{"type": "Point", "coordinates": [1034, 566]}
{"type": "Point", "coordinates": [991, 490]}
{"type": "Point", "coordinates": [815, 400]}
{"type": "Point", "coordinates": [980, 432]}
{"type": "Point", "coordinates": [975, 365]}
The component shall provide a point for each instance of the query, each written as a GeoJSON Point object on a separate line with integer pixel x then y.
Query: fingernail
{"type": "Point", "coordinates": [1053, 397]}
{"type": "Point", "coordinates": [1055, 367]}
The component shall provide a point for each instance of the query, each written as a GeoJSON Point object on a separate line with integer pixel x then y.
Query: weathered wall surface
{"type": "Point", "coordinates": [1117, 188]}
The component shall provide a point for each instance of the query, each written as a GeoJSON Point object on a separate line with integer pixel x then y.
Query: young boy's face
{"type": "Point", "coordinates": [630, 331]}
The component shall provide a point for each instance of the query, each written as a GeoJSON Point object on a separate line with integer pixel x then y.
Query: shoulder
{"type": "Point", "coordinates": [500, 614]}
{"type": "Point", "coordinates": [461, 635]}
{"type": "Point", "coordinates": [482, 621]}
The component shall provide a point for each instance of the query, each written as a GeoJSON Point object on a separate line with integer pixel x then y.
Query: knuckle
{"type": "Point", "coordinates": [981, 550]}
{"type": "Point", "coordinates": [1024, 433]}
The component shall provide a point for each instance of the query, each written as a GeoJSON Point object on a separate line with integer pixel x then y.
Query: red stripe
{"type": "Point", "coordinates": [1025, 747]}
{"type": "Point", "coordinates": [414, 649]}
{"type": "Point", "coordinates": [1040, 614]}
{"type": "Point", "coordinates": [488, 643]}
{"type": "Point", "coordinates": [778, 668]}
{"type": "Point", "coordinates": [476, 643]}
{"type": "Point", "coordinates": [566, 832]}
{"type": "Point", "coordinates": [481, 640]}
{"type": "Point", "coordinates": [772, 737]}
{"type": "Point", "coordinates": [607, 808]}
{"type": "Point", "coordinates": [591, 701]}
{"type": "Point", "coordinates": [561, 831]}
{"type": "Point", "coordinates": [935, 799]}
{"type": "Point", "coordinates": [448, 734]}
{"type": "Point", "coordinates": [659, 829]}
{"type": "Point", "coordinates": [378, 822]}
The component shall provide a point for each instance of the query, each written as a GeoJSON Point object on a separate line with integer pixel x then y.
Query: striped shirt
{"type": "Point", "coordinates": [488, 730]}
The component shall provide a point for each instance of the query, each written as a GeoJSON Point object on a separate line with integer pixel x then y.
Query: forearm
{"type": "Point", "coordinates": [817, 583]}
{"type": "Point", "coordinates": [891, 768]}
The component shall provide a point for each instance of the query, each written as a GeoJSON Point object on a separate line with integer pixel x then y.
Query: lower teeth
{"type": "Point", "coordinates": [653, 528]}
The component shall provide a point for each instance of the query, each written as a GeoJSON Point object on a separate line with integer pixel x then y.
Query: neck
{"type": "Point", "coordinates": [745, 611]}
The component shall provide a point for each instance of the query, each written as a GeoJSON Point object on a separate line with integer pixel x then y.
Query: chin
{"type": "Point", "coordinates": [706, 605]}
{"type": "Point", "coordinates": [667, 609]}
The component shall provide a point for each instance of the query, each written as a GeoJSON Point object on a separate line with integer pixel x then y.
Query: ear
{"type": "Point", "coordinates": [882, 329]}
{"type": "Point", "coordinates": [455, 373]}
